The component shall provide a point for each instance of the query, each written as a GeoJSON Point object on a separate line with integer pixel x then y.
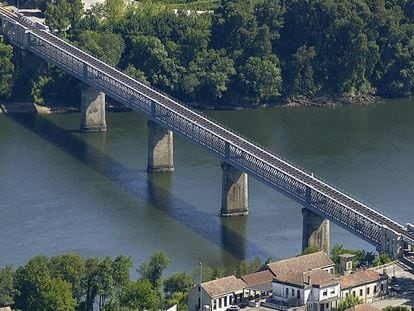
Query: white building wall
{"type": "Point", "coordinates": [367, 292]}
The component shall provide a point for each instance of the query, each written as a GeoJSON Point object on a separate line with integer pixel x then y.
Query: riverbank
{"type": "Point", "coordinates": [298, 101]}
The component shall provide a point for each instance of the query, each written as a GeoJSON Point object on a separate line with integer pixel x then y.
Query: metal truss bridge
{"type": "Point", "coordinates": [225, 144]}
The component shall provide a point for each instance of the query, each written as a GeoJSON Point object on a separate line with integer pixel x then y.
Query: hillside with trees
{"type": "Point", "coordinates": [244, 53]}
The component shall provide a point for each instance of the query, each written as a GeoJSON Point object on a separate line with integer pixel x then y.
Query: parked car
{"type": "Point", "coordinates": [396, 287]}
{"type": "Point", "coordinates": [233, 308]}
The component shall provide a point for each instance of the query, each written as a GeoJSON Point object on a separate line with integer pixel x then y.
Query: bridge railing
{"type": "Point", "coordinates": [123, 89]}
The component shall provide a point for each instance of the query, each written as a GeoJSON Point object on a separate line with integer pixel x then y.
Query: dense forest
{"type": "Point", "coordinates": [242, 53]}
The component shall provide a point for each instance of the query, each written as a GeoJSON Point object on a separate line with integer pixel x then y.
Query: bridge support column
{"type": "Point", "coordinates": [315, 231]}
{"type": "Point", "coordinates": [92, 110]}
{"type": "Point", "coordinates": [391, 243]}
{"type": "Point", "coordinates": [234, 196]}
{"type": "Point", "coordinates": [160, 149]}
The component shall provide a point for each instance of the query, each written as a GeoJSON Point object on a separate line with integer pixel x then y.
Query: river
{"type": "Point", "coordinates": [67, 191]}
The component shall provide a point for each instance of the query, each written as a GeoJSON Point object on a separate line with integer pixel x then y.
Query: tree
{"type": "Point", "coordinates": [382, 259]}
{"type": "Point", "coordinates": [106, 46]}
{"type": "Point", "coordinates": [208, 75]}
{"type": "Point", "coordinates": [178, 282]}
{"type": "Point", "coordinates": [70, 268]}
{"type": "Point", "coordinates": [7, 290]}
{"type": "Point", "coordinates": [348, 302]}
{"type": "Point", "coordinates": [247, 267]}
{"type": "Point", "coordinates": [140, 295]}
{"type": "Point", "coordinates": [152, 270]}
{"type": "Point", "coordinates": [261, 79]}
{"type": "Point", "coordinates": [57, 15]}
{"type": "Point", "coordinates": [6, 70]}
{"type": "Point", "coordinates": [37, 290]}
{"type": "Point", "coordinates": [397, 308]}
{"type": "Point", "coordinates": [310, 250]}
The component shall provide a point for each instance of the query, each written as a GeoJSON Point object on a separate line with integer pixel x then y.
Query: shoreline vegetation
{"type": "Point", "coordinates": [7, 107]}
{"type": "Point", "coordinates": [69, 282]}
{"type": "Point", "coordinates": [236, 53]}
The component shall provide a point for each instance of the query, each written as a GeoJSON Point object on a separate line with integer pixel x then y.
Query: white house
{"type": "Point", "coordinates": [216, 295]}
{"type": "Point", "coordinates": [364, 284]}
{"type": "Point", "coordinates": [318, 290]}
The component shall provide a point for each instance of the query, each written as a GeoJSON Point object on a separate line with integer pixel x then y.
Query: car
{"type": "Point", "coordinates": [396, 287]}
{"type": "Point", "coordinates": [233, 308]}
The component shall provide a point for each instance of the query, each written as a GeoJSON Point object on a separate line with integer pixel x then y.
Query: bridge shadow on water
{"type": "Point", "coordinates": [213, 228]}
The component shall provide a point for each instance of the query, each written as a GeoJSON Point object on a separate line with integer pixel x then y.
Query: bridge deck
{"type": "Point", "coordinates": [230, 147]}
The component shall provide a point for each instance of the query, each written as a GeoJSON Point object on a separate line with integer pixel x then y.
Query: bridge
{"type": "Point", "coordinates": [240, 157]}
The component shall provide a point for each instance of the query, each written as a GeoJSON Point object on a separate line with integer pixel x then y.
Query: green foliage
{"type": "Point", "coordinates": [246, 52]}
{"type": "Point", "coordinates": [37, 290]}
{"type": "Point", "coordinates": [140, 295]}
{"type": "Point", "coordinates": [70, 268]}
{"type": "Point", "coordinates": [382, 259]}
{"type": "Point", "coordinates": [178, 282]}
{"type": "Point", "coordinates": [260, 79]}
{"type": "Point", "coordinates": [310, 250]}
{"type": "Point", "coordinates": [247, 267]}
{"type": "Point", "coordinates": [106, 46]}
{"type": "Point", "coordinates": [397, 308]}
{"type": "Point", "coordinates": [152, 270]}
{"type": "Point", "coordinates": [348, 302]}
{"type": "Point", "coordinates": [7, 290]}
{"type": "Point", "coordinates": [6, 70]}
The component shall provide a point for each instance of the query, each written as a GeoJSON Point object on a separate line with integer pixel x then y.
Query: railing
{"type": "Point", "coordinates": [224, 143]}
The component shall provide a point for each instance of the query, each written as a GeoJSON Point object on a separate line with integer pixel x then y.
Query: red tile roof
{"type": "Point", "coordinates": [258, 277]}
{"type": "Point", "coordinates": [359, 278]}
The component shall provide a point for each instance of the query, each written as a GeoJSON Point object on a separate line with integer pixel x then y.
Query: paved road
{"type": "Point", "coordinates": [405, 279]}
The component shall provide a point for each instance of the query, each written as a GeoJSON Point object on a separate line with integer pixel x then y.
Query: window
{"type": "Point", "coordinates": [375, 288]}
{"type": "Point", "coordinates": [225, 301]}
{"type": "Point", "coordinates": [346, 295]}
{"type": "Point", "coordinates": [361, 292]}
{"type": "Point", "coordinates": [332, 291]}
{"type": "Point", "coordinates": [214, 304]}
{"type": "Point", "coordinates": [382, 287]}
{"type": "Point", "coordinates": [327, 306]}
{"type": "Point", "coordinates": [298, 294]}
{"type": "Point", "coordinates": [219, 303]}
{"type": "Point", "coordinates": [353, 293]}
{"type": "Point", "coordinates": [368, 288]}
{"type": "Point", "coordinates": [287, 292]}
{"type": "Point", "coordinates": [325, 293]}
{"type": "Point", "coordinates": [293, 292]}
{"type": "Point", "coordinates": [199, 302]}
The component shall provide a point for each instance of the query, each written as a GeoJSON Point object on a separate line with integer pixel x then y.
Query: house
{"type": "Point", "coordinates": [346, 262]}
{"type": "Point", "coordinates": [258, 284]}
{"type": "Point", "coordinates": [317, 289]}
{"type": "Point", "coordinates": [363, 307]}
{"type": "Point", "coordinates": [216, 295]}
{"type": "Point", "coordinates": [364, 284]}
{"type": "Point", "coordinates": [318, 260]}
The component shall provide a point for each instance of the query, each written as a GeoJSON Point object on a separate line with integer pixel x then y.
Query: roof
{"type": "Point", "coordinates": [222, 286]}
{"type": "Point", "coordinates": [257, 277]}
{"type": "Point", "coordinates": [5, 309]}
{"type": "Point", "coordinates": [359, 278]}
{"type": "Point", "coordinates": [314, 277]}
{"type": "Point", "coordinates": [363, 307]}
{"type": "Point", "coordinates": [301, 263]}
{"type": "Point", "coordinates": [347, 256]}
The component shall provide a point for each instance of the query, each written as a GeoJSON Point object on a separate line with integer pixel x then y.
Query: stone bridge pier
{"type": "Point", "coordinates": [315, 231]}
{"type": "Point", "coordinates": [234, 195]}
{"type": "Point", "coordinates": [160, 149]}
{"type": "Point", "coordinates": [92, 110]}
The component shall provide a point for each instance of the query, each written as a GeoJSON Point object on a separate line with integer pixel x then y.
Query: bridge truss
{"type": "Point", "coordinates": [224, 143]}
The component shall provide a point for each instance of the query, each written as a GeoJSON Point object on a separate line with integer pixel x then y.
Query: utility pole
{"type": "Point", "coordinates": [201, 291]}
